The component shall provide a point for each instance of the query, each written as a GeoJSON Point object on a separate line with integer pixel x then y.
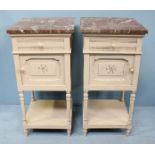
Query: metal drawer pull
{"type": "Point", "coordinates": [40, 45]}
{"type": "Point", "coordinates": [131, 70]}
{"type": "Point", "coordinates": [113, 45]}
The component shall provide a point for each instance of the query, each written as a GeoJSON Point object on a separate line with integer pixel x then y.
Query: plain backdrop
{"type": "Point", "coordinates": [146, 86]}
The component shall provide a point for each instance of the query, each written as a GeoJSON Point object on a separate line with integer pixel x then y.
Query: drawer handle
{"type": "Point", "coordinates": [113, 45]}
{"type": "Point", "coordinates": [131, 70]}
{"type": "Point", "coordinates": [40, 45]}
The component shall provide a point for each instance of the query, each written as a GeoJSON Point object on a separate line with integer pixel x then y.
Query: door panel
{"type": "Point", "coordinates": [111, 69]}
{"type": "Point", "coordinates": [43, 70]}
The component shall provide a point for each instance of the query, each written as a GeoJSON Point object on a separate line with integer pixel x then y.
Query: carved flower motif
{"type": "Point", "coordinates": [111, 69]}
{"type": "Point", "coordinates": [43, 68]}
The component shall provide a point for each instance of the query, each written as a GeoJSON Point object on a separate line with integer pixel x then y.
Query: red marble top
{"type": "Point", "coordinates": [104, 25]}
{"type": "Point", "coordinates": [55, 25]}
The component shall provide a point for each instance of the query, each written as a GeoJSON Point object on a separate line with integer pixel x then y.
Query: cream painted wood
{"type": "Point", "coordinates": [111, 70]}
{"type": "Point", "coordinates": [112, 44]}
{"type": "Point", "coordinates": [47, 114]}
{"type": "Point", "coordinates": [85, 113]}
{"type": "Point", "coordinates": [22, 102]}
{"type": "Point", "coordinates": [69, 112]}
{"type": "Point", "coordinates": [42, 63]}
{"type": "Point", "coordinates": [131, 108]}
{"type": "Point", "coordinates": [111, 63]}
{"type": "Point", "coordinates": [32, 96]}
{"type": "Point", "coordinates": [107, 113]}
{"type": "Point", "coordinates": [122, 96]}
{"type": "Point", "coordinates": [41, 44]}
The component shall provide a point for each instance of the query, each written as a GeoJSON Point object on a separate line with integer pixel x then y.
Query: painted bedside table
{"type": "Point", "coordinates": [112, 52]}
{"type": "Point", "coordinates": [41, 51]}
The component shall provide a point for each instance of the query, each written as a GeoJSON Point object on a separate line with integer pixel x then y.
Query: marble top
{"type": "Point", "coordinates": [104, 25]}
{"type": "Point", "coordinates": [55, 25]}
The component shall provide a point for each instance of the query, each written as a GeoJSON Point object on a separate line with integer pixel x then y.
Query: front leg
{"type": "Point", "coordinates": [131, 108]}
{"type": "Point", "coordinates": [85, 112]}
{"type": "Point", "coordinates": [69, 111]}
{"type": "Point", "coordinates": [22, 102]}
{"type": "Point", "coordinates": [122, 96]}
{"type": "Point", "coordinates": [32, 96]}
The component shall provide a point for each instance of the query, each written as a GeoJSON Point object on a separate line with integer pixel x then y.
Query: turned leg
{"type": "Point", "coordinates": [22, 102]}
{"type": "Point", "coordinates": [122, 96]}
{"type": "Point", "coordinates": [85, 112]}
{"type": "Point", "coordinates": [128, 132]}
{"type": "Point", "coordinates": [32, 96]}
{"type": "Point", "coordinates": [131, 108]}
{"type": "Point", "coordinates": [68, 101]}
{"type": "Point", "coordinates": [85, 131]}
{"type": "Point", "coordinates": [68, 132]}
{"type": "Point", "coordinates": [26, 132]}
{"type": "Point", "coordinates": [71, 108]}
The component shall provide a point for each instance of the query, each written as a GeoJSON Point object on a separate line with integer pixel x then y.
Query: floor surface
{"type": "Point", "coordinates": [11, 129]}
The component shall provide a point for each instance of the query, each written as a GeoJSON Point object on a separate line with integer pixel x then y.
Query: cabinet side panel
{"type": "Point", "coordinates": [67, 72]}
{"type": "Point", "coordinates": [86, 71]}
{"type": "Point", "coordinates": [17, 70]}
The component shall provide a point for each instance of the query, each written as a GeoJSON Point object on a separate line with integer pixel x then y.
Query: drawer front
{"type": "Point", "coordinates": [37, 44]}
{"type": "Point", "coordinates": [111, 70]}
{"type": "Point", "coordinates": [45, 71]}
{"type": "Point", "coordinates": [112, 44]}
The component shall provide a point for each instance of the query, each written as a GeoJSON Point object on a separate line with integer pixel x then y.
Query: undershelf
{"type": "Point", "coordinates": [107, 114]}
{"type": "Point", "coordinates": [47, 114]}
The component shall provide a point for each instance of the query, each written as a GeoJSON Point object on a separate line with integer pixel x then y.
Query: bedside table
{"type": "Point", "coordinates": [41, 51]}
{"type": "Point", "coordinates": [112, 52]}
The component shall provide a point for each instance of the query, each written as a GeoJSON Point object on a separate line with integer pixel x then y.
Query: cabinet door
{"type": "Point", "coordinates": [112, 71]}
{"type": "Point", "coordinates": [42, 72]}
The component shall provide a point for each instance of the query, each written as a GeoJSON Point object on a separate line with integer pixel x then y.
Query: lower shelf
{"type": "Point", "coordinates": [107, 114]}
{"type": "Point", "coordinates": [47, 114]}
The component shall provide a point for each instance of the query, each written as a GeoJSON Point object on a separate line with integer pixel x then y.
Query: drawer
{"type": "Point", "coordinates": [112, 44]}
{"type": "Point", "coordinates": [37, 71]}
{"type": "Point", "coordinates": [113, 70]}
{"type": "Point", "coordinates": [36, 44]}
